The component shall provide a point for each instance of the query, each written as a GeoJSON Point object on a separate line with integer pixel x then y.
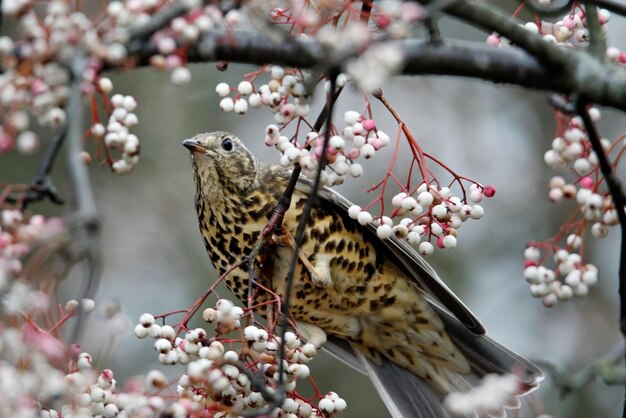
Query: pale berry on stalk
{"type": "Point", "coordinates": [255, 100]}
{"type": "Point", "coordinates": [589, 277]}
{"type": "Point", "coordinates": [358, 141]}
{"type": "Point", "coordinates": [354, 211]}
{"type": "Point", "coordinates": [425, 248]}
{"type": "Point", "coordinates": [409, 203]}
{"type": "Point", "coordinates": [181, 75]}
{"type": "Point", "coordinates": [241, 106]}
{"type": "Point", "coordinates": [277, 72]}
{"type": "Point", "coordinates": [227, 104]}
{"type": "Point", "coordinates": [599, 230]}
{"type": "Point", "coordinates": [425, 199]}
{"type": "Point", "coordinates": [326, 405]}
{"type": "Point", "coordinates": [351, 117]}
{"type": "Point", "coordinates": [368, 151]}
{"type": "Point", "coordinates": [449, 241]}
{"type": "Point", "coordinates": [337, 142]}
{"type": "Point", "coordinates": [105, 85]}
{"type": "Point", "coordinates": [397, 199]}
{"type": "Point", "coordinates": [436, 229]}
{"type": "Point", "coordinates": [222, 89]}
{"type": "Point", "coordinates": [355, 170]}
{"type": "Point", "coordinates": [532, 253]}
{"type": "Point", "coordinates": [477, 212]}
{"type": "Point", "coordinates": [550, 300]}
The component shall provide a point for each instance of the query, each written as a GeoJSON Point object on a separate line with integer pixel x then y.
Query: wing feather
{"type": "Point", "coordinates": [416, 267]}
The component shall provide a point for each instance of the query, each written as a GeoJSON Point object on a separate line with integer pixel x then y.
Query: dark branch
{"type": "Point", "coordinates": [597, 38]}
{"type": "Point", "coordinates": [42, 187]}
{"type": "Point", "coordinates": [619, 200]}
{"type": "Point", "coordinates": [602, 83]}
{"type": "Point", "coordinates": [617, 6]}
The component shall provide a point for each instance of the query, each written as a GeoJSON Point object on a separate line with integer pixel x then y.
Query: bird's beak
{"type": "Point", "coordinates": [193, 145]}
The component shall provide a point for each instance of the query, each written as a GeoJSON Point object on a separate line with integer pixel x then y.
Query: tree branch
{"type": "Point", "coordinates": [619, 200]}
{"type": "Point", "coordinates": [597, 39]}
{"type": "Point", "coordinates": [601, 83]}
{"type": "Point", "coordinates": [84, 220]}
{"type": "Point", "coordinates": [42, 187]}
{"type": "Point", "coordinates": [617, 6]}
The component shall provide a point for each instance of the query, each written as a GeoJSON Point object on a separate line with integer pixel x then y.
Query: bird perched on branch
{"type": "Point", "coordinates": [384, 309]}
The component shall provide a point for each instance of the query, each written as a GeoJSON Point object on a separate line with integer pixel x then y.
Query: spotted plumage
{"type": "Point", "coordinates": [377, 295]}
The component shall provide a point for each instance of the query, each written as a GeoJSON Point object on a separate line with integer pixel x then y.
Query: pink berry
{"type": "Point", "coordinates": [622, 58]}
{"type": "Point", "coordinates": [369, 125]}
{"type": "Point", "coordinates": [529, 263]}
{"type": "Point", "coordinates": [586, 182]}
{"type": "Point", "coordinates": [354, 153]}
{"type": "Point", "coordinates": [440, 242]}
{"type": "Point", "coordinates": [569, 23]}
{"type": "Point", "coordinates": [493, 40]}
{"type": "Point", "coordinates": [376, 143]}
{"type": "Point", "coordinates": [489, 191]}
{"type": "Point", "coordinates": [382, 21]}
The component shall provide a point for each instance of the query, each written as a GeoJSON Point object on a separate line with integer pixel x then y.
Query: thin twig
{"type": "Point", "coordinates": [619, 200]}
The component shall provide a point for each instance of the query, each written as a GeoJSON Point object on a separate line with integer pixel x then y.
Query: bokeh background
{"type": "Point", "coordinates": [154, 259]}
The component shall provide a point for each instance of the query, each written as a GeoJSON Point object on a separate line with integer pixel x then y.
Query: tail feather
{"type": "Point", "coordinates": [407, 395]}
{"type": "Point", "coordinates": [487, 356]}
{"type": "Point", "coordinates": [404, 394]}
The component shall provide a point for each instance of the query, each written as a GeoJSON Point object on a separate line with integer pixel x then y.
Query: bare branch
{"type": "Point", "coordinates": [602, 83]}
{"type": "Point", "coordinates": [84, 219]}
{"type": "Point", "coordinates": [619, 200]}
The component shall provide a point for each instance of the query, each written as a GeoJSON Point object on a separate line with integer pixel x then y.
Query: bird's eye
{"type": "Point", "coordinates": [228, 145]}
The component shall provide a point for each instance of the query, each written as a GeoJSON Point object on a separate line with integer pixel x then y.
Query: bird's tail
{"type": "Point", "coordinates": [407, 395]}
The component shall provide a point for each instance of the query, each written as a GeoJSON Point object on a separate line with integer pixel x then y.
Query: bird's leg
{"type": "Point", "coordinates": [320, 272]}
{"type": "Point", "coordinates": [311, 333]}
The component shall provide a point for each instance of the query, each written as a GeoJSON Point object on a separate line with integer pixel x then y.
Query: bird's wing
{"type": "Point", "coordinates": [407, 259]}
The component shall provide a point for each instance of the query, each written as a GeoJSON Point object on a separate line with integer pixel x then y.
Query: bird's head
{"type": "Point", "coordinates": [221, 163]}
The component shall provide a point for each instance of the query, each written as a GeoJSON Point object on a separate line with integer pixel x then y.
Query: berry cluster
{"type": "Point", "coordinates": [18, 236]}
{"type": "Point", "coordinates": [184, 31]}
{"type": "Point", "coordinates": [35, 66]}
{"type": "Point", "coordinates": [570, 32]}
{"type": "Point", "coordinates": [360, 138]}
{"type": "Point", "coordinates": [571, 152]}
{"type": "Point", "coordinates": [116, 135]}
{"type": "Point", "coordinates": [285, 94]}
{"type": "Point", "coordinates": [571, 278]}
{"type": "Point", "coordinates": [428, 212]}
{"type": "Point", "coordinates": [220, 376]}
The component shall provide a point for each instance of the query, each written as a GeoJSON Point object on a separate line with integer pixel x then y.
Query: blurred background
{"type": "Point", "coordinates": [154, 258]}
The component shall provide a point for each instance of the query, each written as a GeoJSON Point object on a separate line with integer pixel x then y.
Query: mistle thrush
{"type": "Point", "coordinates": [382, 306]}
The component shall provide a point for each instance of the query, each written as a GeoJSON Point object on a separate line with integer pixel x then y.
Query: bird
{"type": "Point", "coordinates": [375, 304]}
